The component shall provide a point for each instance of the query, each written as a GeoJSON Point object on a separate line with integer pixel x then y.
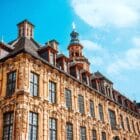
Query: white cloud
{"type": "Point", "coordinates": [91, 46]}
{"type": "Point", "coordinates": [95, 52]}
{"type": "Point", "coordinates": [100, 13]}
{"type": "Point", "coordinates": [129, 60]}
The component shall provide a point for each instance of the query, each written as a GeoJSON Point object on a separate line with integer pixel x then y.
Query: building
{"type": "Point", "coordinates": [45, 95]}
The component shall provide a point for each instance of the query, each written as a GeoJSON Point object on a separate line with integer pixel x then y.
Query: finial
{"type": "Point", "coordinates": [73, 26]}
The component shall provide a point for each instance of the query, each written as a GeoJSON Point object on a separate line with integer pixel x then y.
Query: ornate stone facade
{"type": "Point", "coordinates": [21, 103]}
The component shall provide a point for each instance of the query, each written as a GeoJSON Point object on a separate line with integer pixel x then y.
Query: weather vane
{"type": "Point", "coordinates": [73, 26]}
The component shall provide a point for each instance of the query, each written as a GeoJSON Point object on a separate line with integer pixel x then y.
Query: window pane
{"type": "Point", "coordinates": [7, 126]}
{"type": "Point", "coordinates": [53, 129]}
{"type": "Point", "coordinates": [94, 137]}
{"type": "Point", "coordinates": [81, 103]}
{"type": "Point", "coordinates": [92, 109]}
{"type": "Point", "coordinates": [103, 136]}
{"type": "Point", "coordinates": [101, 115]}
{"type": "Point", "coordinates": [52, 92]}
{"type": "Point", "coordinates": [69, 129]}
{"type": "Point", "coordinates": [82, 133]}
{"type": "Point", "coordinates": [34, 84]}
{"type": "Point", "coordinates": [112, 119]}
{"type": "Point", "coordinates": [11, 82]}
{"type": "Point", "coordinates": [33, 126]}
{"type": "Point", "coordinates": [68, 98]}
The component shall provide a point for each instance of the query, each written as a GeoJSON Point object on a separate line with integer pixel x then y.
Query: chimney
{"type": "Point", "coordinates": [25, 29]}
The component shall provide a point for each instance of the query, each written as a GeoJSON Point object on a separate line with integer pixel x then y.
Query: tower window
{"type": "Point", "coordinates": [11, 83]}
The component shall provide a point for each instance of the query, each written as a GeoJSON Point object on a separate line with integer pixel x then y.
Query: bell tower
{"type": "Point", "coordinates": [25, 29]}
{"type": "Point", "coordinates": [76, 51]}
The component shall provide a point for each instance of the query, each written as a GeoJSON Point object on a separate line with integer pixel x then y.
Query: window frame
{"type": "Point", "coordinates": [8, 124]}
{"type": "Point", "coordinates": [94, 134]}
{"type": "Point", "coordinates": [52, 94]}
{"type": "Point", "coordinates": [68, 98]}
{"type": "Point", "coordinates": [34, 84]}
{"type": "Point", "coordinates": [91, 107]}
{"type": "Point", "coordinates": [11, 82]}
{"type": "Point", "coordinates": [83, 136]}
{"type": "Point", "coordinates": [103, 135]}
{"type": "Point", "coordinates": [101, 112]}
{"type": "Point", "coordinates": [81, 104]}
{"type": "Point", "coordinates": [51, 129]}
{"type": "Point", "coordinates": [112, 117]}
{"type": "Point", "coordinates": [69, 132]}
{"type": "Point", "coordinates": [32, 125]}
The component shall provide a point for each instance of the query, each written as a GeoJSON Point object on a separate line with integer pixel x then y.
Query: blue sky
{"type": "Point", "coordinates": [109, 31]}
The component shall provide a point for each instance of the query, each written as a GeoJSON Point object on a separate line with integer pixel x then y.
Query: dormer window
{"type": "Point", "coordinates": [52, 58]}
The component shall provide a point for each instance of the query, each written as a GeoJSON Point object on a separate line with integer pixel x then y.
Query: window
{"type": "Point", "coordinates": [82, 133]}
{"type": "Point", "coordinates": [69, 129]}
{"type": "Point", "coordinates": [94, 135]}
{"type": "Point", "coordinates": [34, 84]}
{"type": "Point", "coordinates": [68, 98]}
{"type": "Point", "coordinates": [101, 114]}
{"type": "Point", "coordinates": [122, 123]}
{"type": "Point", "coordinates": [33, 126]}
{"type": "Point", "coordinates": [7, 126]}
{"type": "Point", "coordinates": [11, 83]}
{"type": "Point", "coordinates": [112, 119]}
{"type": "Point", "coordinates": [51, 58]}
{"type": "Point", "coordinates": [138, 128]}
{"type": "Point", "coordinates": [127, 123]}
{"type": "Point", "coordinates": [52, 92]}
{"type": "Point", "coordinates": [53, 129]}
{"type": "Point", "coordinates": [92, 109]}
{"type": "Point", "coordinates": [103, 136]}
{"type": "Point", "coordinates": [81, 103]}
{"type": "Point", "coordinates": [133, 126]}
